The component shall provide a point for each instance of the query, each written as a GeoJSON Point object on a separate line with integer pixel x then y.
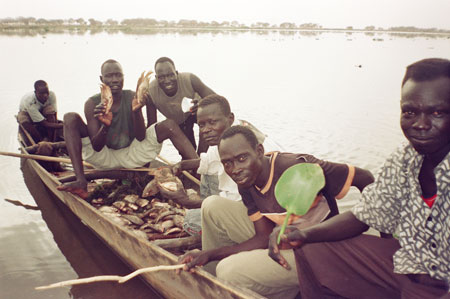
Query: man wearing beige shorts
{"type": "Point", "coordinates": [119, 138]}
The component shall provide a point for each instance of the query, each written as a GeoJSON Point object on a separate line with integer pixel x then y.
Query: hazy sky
{"type": "Point", "coordinates": [329, 13]}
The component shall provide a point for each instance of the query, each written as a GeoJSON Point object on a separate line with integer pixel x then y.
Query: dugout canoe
{"type": "Point", "coordinates": [138, 252]}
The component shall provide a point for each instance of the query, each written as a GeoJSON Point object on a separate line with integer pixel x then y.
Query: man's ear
{"type": "Point", "coordinates": [260, 150]}
{"type": "Point", "coordinates": [231, 118]}
{"type": "Point", "coordinates": [101, 78]}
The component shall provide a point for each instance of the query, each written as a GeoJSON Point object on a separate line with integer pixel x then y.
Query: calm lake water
{"type": "Point", "coordinates": [334, 95]}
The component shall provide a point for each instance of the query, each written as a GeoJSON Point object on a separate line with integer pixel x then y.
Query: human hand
{"type": "Point", "coordinates": [99, 113]}
{"type": "Point", "coordinates": [194, 107]}
{"type": "Point", "coordinates": [177, 168]}
{"type": "Point", "coordinates": [292, 237]}
{"type": "Point", "coordinates": [193, 259]}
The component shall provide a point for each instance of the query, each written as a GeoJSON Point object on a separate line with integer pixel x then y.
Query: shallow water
{"type": "Point", "coordinates": [333, 95]}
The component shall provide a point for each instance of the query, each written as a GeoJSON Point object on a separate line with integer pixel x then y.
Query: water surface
{"type": "Point", "coordinates": [333, 95]}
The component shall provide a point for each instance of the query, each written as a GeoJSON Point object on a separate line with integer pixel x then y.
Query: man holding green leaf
{"type": "Point", "coordinates": [410, 199]}
{"type": "Point", "coordinates": [237, 233]}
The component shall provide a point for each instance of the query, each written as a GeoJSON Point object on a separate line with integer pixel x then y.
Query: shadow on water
{"type": "Point", "coordinates": [86, 253]}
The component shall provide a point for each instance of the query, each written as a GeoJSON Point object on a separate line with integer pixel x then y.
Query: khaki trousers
{"type": "Point", "coordinates": [225, 222]}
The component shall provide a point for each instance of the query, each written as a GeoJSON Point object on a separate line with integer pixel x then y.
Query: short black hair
{"type": "Point", "coordinates": [108, 61]}
{"type": "Point", "coordinates": [216, 99]}
{"type": "Point", "coordinates": [164, 59]}
{"type": "Point", "coordinates": [427, 69]}
{"type": "Point", "coordinates": [39, 83]}
{"type": "Point", "coordinates": [244, 131]}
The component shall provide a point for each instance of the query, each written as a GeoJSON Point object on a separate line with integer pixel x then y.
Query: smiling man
{"type": "Point", "coordinates": [167, 92]}
{"type": "Point", "coordinates": [118, 139]}
{"type": "Point", "coordinates": [236, 233]}
{"type": "Point", "coordinates": [410, 198]}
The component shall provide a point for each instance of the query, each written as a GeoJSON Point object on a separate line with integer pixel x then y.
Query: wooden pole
{"type": "Point", "coordinates": [187, 174]}
{"type": "Point", "coordinates": [119, 279]}
{"type": "Point", "coordinates": [43, 158]}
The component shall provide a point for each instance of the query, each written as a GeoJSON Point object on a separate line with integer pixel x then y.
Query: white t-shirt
{"type": "Point", "coordinates": [210, 164]}
{"type": "Point", "coordinates": [30, 104]}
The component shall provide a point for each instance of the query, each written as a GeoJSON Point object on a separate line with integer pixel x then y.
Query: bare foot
{"type": "Point", "coordinates": [78, 188]}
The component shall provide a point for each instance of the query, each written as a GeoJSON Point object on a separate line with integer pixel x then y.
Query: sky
{"type": "Point", "coordinates": [328, 13]}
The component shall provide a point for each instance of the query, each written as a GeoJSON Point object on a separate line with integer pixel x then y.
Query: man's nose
{"type": "Point", "coordinates": [422, 122]}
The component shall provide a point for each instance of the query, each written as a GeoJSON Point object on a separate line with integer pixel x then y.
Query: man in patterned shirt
{"type": "Point", "coordinates": [410, 199]}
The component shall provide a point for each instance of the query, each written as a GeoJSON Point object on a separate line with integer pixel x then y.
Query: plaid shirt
{"type": "Point", "coordinates": [393, 204]}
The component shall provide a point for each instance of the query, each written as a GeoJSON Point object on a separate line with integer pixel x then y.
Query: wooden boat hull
{"type": "Point", "coordinates": [140, 253]}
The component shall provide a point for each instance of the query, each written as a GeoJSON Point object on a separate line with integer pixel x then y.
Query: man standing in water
{"type": "Point", "coordinates": [410, 198]}
{"type": "Point", "coordinates": [118, 139]}
{"type": "Point", "coordinates": [167, 92]}
{"type": "Point", "coordinates": [37, 113]}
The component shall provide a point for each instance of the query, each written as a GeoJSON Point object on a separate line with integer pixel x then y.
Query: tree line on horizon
{"type": "Point", "coordinates": [183, 23]}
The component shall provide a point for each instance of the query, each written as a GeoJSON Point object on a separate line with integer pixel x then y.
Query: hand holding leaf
{"type": "Point", "coordinates": [297, 188]}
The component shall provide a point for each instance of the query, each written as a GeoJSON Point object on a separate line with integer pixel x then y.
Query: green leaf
{"type": "Point", "coordinates": [297, 188]}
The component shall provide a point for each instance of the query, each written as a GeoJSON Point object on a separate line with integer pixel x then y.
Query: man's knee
{"type": "Point", "coordinates": [213, 203]}
{"type": "Point", "coordinates": [71, 118]}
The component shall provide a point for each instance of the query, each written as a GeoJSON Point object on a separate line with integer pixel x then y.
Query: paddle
{"type": "Point", "coordinates": [297, 188]}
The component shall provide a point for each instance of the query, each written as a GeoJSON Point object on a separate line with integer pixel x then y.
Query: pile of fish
{"type": "Point", "coordinates": [150, 219]}
{"type": "Point", "coordinates": [146, 215]}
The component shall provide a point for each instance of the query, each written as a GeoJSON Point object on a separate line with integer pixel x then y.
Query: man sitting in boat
{"type": "Point", "coordinates": [37, 113]}
{"type": "Point", "coordinates": [410, 199]}
{"type": "Point", "coordinates": [214, 116]}
{"type": "Point", "coordinates": [169, 91]}
{"type": "Point", "coordinates": [118, 138]}
{"type": "Point", "coordinates": [236, 233]}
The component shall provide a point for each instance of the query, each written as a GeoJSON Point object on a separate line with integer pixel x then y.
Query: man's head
{"type": "Point", "coordinates": [167, 75]}
{"type": "Point", "coordinates": [425, 105]}
{"type": "Point", "coordinates": [41, 91]}
{"type": "Point", "coordinates": [213, 118]}
{"type": "Point", "coordinates": [112, 75]}
{"type": "Point", "coordinates": [241, 155]}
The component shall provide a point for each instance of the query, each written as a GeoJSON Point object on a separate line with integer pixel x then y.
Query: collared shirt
{"type": "Point", "coordinates": [393, 204]}
{"type": "Point", "coordinates": [30, 104]}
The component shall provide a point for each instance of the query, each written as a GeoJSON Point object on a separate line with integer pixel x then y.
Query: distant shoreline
{"type": "Point", "coordinates": [8, 29]}
{"type": "Point", "coordinates": [151, 25]}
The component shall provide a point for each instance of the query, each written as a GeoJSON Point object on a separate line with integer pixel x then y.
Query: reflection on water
{"type": "Point", "coordinates": [41, 264]}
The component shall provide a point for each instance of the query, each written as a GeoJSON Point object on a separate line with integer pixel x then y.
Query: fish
{"type": "Point", "coordinates": [106, 99]}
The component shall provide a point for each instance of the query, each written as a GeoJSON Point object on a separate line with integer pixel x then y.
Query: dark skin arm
{"type": "Point", "coordinates": [52, 125]}
{"type": "Point", "coordinates": [263, 228]}
{"type": "Point", "coordinates": [151, 111]}
{"type": "Point", "coordinates": [97, 130]}
{"type": "Point", "coordinates": [191, 164]}
{"type": "Point", "coordinates": [139, 124]}
{"type": "Point", "coordinates": [340, 227]}
{"type": "Point", "coordinates": [361, 179]}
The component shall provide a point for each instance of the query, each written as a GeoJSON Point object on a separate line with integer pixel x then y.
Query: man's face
{"type": "Point", "coordinates": [425, 118]}
{"type": "Point", "coordinates": [112, 75]}
{"type": "Point", "coordinates": [240, 161]}
{"type": "Point", "coordinates": [212, 123]}
{"type": "Point", "coordinates": [167, 78]}
{"type": "Point", "coordinates": [42, 93]}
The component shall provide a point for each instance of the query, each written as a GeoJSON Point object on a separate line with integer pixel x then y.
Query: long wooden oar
{"type": "Point", "coordinates": [119, 279]}
{"type": "Point", "coordinates": [187, 174]}
{"type": "Point", "coordinates": [43, 158]}
{"type": "Point", "coordinates": [66, 160]}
